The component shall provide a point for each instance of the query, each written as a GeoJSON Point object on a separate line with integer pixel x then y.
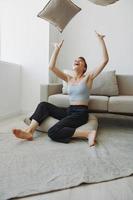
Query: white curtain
{"type": "Point", "coordinates": [103, 2]}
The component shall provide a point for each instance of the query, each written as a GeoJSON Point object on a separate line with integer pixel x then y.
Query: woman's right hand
{"type": "Point", "coordinates": [99, 35]}
{"type": "Point", "coordinates": [58, 45]}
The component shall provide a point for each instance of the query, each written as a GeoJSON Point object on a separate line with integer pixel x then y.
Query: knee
{"type": "Point", "coordinates": [42, 104]}
{"type": "Point", "coordinates": [52, 133]}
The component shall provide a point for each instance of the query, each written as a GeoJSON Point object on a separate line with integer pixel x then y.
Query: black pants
{"type": "Point", "coordinates": [70, 118]}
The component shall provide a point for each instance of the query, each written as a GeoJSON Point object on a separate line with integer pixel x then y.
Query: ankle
{"type": "Point", "coordinates": [29, 130]}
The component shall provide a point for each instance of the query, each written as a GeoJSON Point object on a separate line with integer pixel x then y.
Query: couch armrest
{"type": "Point", "coordinates": [49, 89]}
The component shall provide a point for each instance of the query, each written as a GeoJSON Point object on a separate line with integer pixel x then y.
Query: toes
{"type": "Point", "coordinates": [92, 144]}
{"type": "Point", "coordinates": [21, 134]}
{"type": "Point", "coordinates": [14, 131]}
{"type": "Point", "coordinates": [30, 139]}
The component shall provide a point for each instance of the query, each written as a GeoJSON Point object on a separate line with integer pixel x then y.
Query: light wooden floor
{"type": "Point", "coordinates": [120, 189]}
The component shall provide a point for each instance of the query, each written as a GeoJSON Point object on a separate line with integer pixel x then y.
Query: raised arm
{"type": "Point", "coordinates": [105, 60]}
{"type": "Point", "coordinates": [52, 64]}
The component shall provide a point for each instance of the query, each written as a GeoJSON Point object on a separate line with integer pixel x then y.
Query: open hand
{"type": "Point", "coordinates": [58, 45]}
{"type": "Point", "coordinates": [100, 35]}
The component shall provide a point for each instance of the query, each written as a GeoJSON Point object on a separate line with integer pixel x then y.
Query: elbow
{"type": "Point", "coordinates": [51, 68]}
{"type": "Point", "coordinates": [106, 61]}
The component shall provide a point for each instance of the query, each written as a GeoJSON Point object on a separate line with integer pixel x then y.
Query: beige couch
{"type": "Point", "coordinates": [118, 104]}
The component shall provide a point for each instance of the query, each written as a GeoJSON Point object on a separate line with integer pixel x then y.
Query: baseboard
{"type": "Point", "coordinates": [27, 112]}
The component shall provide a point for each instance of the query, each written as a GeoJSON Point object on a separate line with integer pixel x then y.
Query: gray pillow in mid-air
{"type": "Point", "coordinates": [103, 2]}
{"type": "Point", "coordinates": [59, 12]}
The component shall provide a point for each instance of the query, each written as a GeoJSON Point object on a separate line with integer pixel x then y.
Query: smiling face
{"type": "Point", "coordinates": [80, 65]}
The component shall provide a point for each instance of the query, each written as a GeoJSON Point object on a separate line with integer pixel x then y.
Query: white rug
{"type": "Point", "coordinates": [43, 165]}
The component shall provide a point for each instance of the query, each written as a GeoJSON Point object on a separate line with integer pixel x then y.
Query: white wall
{"type": "Point", "coordinates": [1, 1]}
{"type": "Point", "coordinates": [10, 89]}
{"type": "Point", "coordinates": [115, 21]}
{"type": "Point", "coordinates": [54, 36]}
{"type": "Point", "coordinates": [25, 41]}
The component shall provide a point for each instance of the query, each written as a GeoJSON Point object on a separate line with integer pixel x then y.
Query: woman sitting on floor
{"type": "Point", "coordinates": [77, 113]}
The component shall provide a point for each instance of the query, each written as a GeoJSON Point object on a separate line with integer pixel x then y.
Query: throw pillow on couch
{"type": "Point", "coordinates": [104, 84]}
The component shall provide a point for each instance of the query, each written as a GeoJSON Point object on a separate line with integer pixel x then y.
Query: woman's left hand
{"type": "Point", "coordinates": [58, 45]}
{"type": "Point", "coordinates": [100, 35]}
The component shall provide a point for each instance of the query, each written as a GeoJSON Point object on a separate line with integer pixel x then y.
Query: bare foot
{"type": "Point", "coordinates": [22, 134]}
{"type": "Point", "coordinates": [91, 138]}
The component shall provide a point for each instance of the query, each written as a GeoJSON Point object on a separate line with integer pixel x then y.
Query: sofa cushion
{"type": "Point", "coordinates": [121, 104]}
{"type": "Point", "coordinates": [49, 122]}
{"type": "Point", "coordinates": [104, 84]}
{"type": "Point", "coordinates": [92, 123]}
{"type": "Point", "coordinates": [59, 12]}
{"type": "Point", "coordinates": [99, 103]}
{"type": "Point", "coordinates": [60, 100]}
{"type": "Point", "coordinates": [125, 84]}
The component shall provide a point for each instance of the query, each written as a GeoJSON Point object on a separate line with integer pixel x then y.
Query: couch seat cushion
{"type": "Point", "coordinates": [60, 100]}
{"type": "Point", "coordinates": [121, 104]}
{"type": "Point", "coordinates": [99, 103]}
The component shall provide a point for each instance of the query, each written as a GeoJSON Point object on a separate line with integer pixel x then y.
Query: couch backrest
{"type": "Point", "coordinates": [125, 84]}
